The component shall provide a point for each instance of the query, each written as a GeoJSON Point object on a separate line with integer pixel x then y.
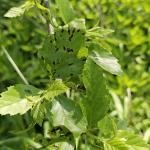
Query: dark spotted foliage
{"type": "Point", "coordinates": [60, 51]}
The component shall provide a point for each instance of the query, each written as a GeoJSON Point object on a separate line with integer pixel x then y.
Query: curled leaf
{"type": "Point", "coordinates": [107, 61]}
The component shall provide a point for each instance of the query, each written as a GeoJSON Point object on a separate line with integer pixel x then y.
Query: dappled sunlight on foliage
{"type": "Point", "coordinates": [75, 75]}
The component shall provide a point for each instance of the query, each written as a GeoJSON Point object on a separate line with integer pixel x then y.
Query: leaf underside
{"type": "Point", "coordinates": [106, 61]}
{"type": "Point", "coordinates": [66, 112]}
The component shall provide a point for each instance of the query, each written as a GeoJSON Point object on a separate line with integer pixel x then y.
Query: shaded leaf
{"type": "Point", "coordinates": [60, 50]}
{"type": "Point", "coordinates": [97, 97]}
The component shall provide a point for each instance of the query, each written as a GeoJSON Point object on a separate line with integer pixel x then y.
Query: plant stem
{"type": "Point", "coordinates": [24, 139]}
{"type": "Point", "coordinates": [15, 66]}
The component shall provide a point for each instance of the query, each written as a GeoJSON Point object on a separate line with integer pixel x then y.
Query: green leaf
{"type": "Point", "coordinates": [96, 102]}
{"type": "Point", "coordinates": [98, 32]}
{"type": "Point", "coordinates": [41, 112]}
{"type": "Point", "coordinates": [38, 113]}
{"type": "Point", "coordinates": [107, 127]}
{"type": "Point", "coordinates": [15, 99]}
{"type": "Point", "coordinates": [77, 24]}
{"type": "Point", "coordinates": [107, 61]}
{"type": "Point", "coordinates": [125, 140]}
{"type": "Point", "coordinates": [56, 88]}
{"type": "Point", "coordinates": [18, 11]}
{"type": "Point", "coordinates": [82, 53]}
{"type": "Point", "coordinates": [66, 112]}
{"type": "Point", "coordinates": [60, 50]}
{"type": "Point", "coordinates": [66, 10]}
{"type": "Point", "coordinates": [62, 146]}
{"type": "Point", "coordinates": [66, 146]}
{"type": "Point", "coordinates": [41, 109]}
{"type": "Point", "coordinates": [118, 105]}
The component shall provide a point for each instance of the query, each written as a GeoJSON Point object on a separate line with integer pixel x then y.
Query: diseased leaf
{"type": "Point", "coordinates": [55, 89]}
{"type": "Point", "coordinates": [18, 11]}
{"type": "Point", "coordinates": [68, 113]}
{"type": "Point", "coordinates": [107, 61]}
{"type": "Point", "coordinates": [125, 140]}
{"type": "Point", "coordinates": [15, 99]}
{"type": "Point", "coordinates": [66, 10]}
{"type": "Point", "coordinates": [97, 97]}
{"type": "Point", "coordinates": [60, 50]}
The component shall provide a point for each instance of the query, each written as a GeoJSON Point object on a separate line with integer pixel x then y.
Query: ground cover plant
{"type": "Point", "coordinates": [71, 108]}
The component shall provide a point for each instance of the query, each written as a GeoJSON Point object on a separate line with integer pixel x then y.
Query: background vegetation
{"type": "Point", "coordinates": [130, 43]}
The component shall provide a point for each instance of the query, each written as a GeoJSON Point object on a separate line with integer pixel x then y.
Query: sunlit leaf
{"type": "Point", "coordinates": [107, 61]}
{"type": "Point", "coordinates": [38, 113]}
{"type": "Point", "coordinates": [15, 99]}
{"type": "Point", "coordinates": [55, 88]}
{"type": "Point", "coordinates": [68, 113]}
{"type": "Point", "coordinates": [98, 32]}
{"type": "Point", "coordinates": [62, 146]}
{"type": "Point", "coordinates": [125, 140]}
{"type": "Point", "coordinates": [18, 11]}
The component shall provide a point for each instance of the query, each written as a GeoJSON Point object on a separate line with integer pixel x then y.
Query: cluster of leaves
{"type": "Point", "coordinates": [130, 44]}
{"type": "Point", "coordinates": [72, 110]}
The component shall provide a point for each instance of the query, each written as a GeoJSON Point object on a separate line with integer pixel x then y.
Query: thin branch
{"type": "Point", "coordinates": [15, 66]}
